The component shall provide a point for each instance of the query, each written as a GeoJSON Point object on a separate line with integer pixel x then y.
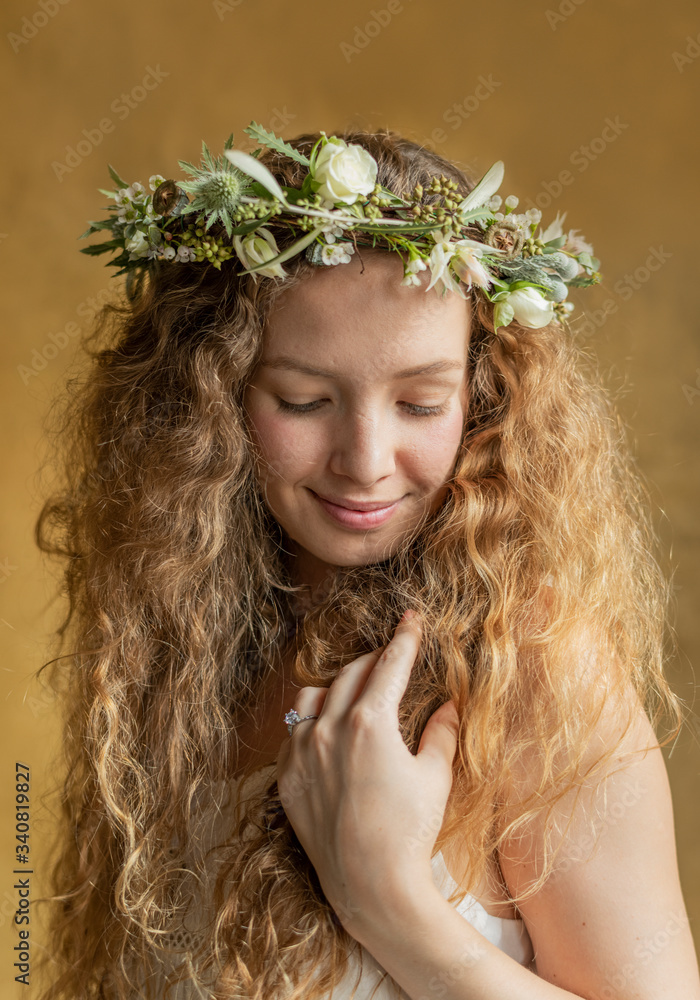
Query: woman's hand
{"type": "Point", "coordinates": [364, 808]}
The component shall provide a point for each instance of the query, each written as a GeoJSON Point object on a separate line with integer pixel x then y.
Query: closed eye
{"type": "Point", "coordinates": [413, 408]}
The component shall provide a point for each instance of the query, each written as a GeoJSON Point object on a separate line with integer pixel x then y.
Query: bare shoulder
{"type": "Point", "coordinates": [611, 916]}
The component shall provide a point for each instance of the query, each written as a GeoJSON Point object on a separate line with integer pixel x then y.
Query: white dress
{"type": "Point", "coordinates": [215, 823]}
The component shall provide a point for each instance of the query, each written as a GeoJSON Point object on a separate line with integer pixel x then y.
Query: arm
{"type": "Point", "coordinates": [433, 953]}
{"type": "Point", "coordinates": [612, 921]}
{"type": "Point", "coordinates": [612, 925]}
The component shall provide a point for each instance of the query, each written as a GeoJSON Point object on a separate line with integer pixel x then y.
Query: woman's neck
{"type": "Point", "coordinates": [309, 572]}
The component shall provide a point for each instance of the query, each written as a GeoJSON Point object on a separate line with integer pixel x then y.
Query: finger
{"type": "Point", "coordinates": [309, 701]}
{"type": "Point", "coordinates": [387, 682]}
{"type": "Point", "coordinates": [348, 683]}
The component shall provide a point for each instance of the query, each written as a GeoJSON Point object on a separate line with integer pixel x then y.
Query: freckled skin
{"type": "Point", "coordinates": [362, 441]}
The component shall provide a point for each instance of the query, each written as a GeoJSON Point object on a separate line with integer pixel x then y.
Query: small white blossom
{"type": "Point", "coordinates": [533, 215]}
{"type": "Point", "coordinates": [154, 181]}
{"type": "Point", "coordinates": [439, 260]}
{"type": "Point", "coordinates": [511, 201]}
{"type": "Point", "coordinates": [417, 264]}
{"type": "Point", "coordinates": [411, 270]}
{"type": "Point", "coordinates": [127, 214]}
{"type": "Point", "coordinates": [332, 231]}
{"type": "Point", "coordinates": [495, 201]}
{"type": "Point", "coordinates": [337, 253]}
{"type": "Point", "coordinates": [185, 254]}
{"type": "Point", "coordinates": [410, 279]}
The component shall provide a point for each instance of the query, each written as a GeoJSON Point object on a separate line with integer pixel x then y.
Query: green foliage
{"type": "Point", "coordinates": [269, 139]}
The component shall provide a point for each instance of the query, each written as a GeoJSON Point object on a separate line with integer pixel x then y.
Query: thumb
{"type": "Point", "coordinates": [439, 738]}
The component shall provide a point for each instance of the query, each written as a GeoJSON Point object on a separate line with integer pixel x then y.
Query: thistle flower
{"type": "Point", "coordinates": [217, 188]}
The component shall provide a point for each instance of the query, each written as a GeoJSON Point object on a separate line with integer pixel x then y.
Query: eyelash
{"type": "Point", "coordinates": [414, 409]}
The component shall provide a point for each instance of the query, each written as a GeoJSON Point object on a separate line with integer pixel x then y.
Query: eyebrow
{"type": "Point", "coordinates": [284, 363]}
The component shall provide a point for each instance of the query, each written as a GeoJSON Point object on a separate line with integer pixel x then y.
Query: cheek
{"type": "Point", "coordinates": [435, 450]}
{"type": "Point", "coordinates": [285, 448]}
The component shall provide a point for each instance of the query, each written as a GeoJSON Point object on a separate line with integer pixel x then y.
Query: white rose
{"type": "Point", "coordinates": [343, 172]}
{"type": "Point", "coordinates": [530, 308]}
{"type": "Point", "coordinates": [256, 248]}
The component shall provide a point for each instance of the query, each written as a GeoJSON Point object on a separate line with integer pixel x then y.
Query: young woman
{"type": "Point", "coordinates": [263, 474]}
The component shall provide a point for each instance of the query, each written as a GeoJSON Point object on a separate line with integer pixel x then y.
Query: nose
{"type": "Point", "coordinates": [363, 447]}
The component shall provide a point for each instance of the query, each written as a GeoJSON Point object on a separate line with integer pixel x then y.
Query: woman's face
{"type": "Point", "coordinates": [357, 409]}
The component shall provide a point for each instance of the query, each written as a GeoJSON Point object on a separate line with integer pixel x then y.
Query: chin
{"type": "Point", "coordinates": [351, 552]}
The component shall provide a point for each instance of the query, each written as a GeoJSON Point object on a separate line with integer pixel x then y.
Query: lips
{"type": "Point", "coordinates": [371, 513]}
{"type": "Point", "coordinates": [357, 504]}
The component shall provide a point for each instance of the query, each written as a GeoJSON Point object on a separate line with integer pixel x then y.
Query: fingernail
{"type": "Point", "coordinates": [407, 616]}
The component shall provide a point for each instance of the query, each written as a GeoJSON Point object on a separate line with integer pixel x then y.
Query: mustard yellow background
{"type": "Point", "coordinates": [593, 107]}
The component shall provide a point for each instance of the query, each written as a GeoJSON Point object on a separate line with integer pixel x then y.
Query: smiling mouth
{"type": "Point", "coordinates": [371, 515]}
{"type": "Point", "coordinates": [362, 505]}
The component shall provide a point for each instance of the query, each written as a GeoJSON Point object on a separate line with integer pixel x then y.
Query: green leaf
{"type": "Point", "coordinates": [207, 157]}
{"type": "Point", "coordinates": [503, 315]}
{"type": "Point", "coordinates": [189, 167]}
{"type": "Point", "coordinates": [293, 195]}
{"type": "Point", "coordinates": [269, 139]}
{"type": "Point", "coordinates": [249, 227]}
{"type": "Point", "coordinates": [102, 224]}
{"type": "Point", "coordinates": [115, 177]}
{"type": "Point", "coordinates": [318, 145]}
{"type": "Point", "coordinates": [582, 280]}
{"type": "Point", "coordinates": [259, 189]}
{"type": "Point", "coordinates": [99, 248]}
{"type": "Point", "coordinates": [502, 287]}
{"type": "Point", "coordinates": [555, 244]}
{"type": "Point", "coordinates": [409, 227]}
{"type": "Point", "coordinates": [229, 142]}
{"type": "Point", "coordinates": [525, 284]}
{"type": "Point", "coordinates": [476, 213]}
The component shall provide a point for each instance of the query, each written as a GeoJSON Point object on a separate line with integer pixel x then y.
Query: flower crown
{"type": "Point", "coordinates": [465, 242]}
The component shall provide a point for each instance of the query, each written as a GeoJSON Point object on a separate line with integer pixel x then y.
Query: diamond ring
{"type": "Point", "coordinates": [291, 718]}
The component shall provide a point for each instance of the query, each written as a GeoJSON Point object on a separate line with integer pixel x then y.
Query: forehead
{"type": "Point", "coordinates": [363, 318]}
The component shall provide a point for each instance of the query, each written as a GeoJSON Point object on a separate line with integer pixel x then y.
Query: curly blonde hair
{"type": "Point", "coordinates": [179, 597]}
